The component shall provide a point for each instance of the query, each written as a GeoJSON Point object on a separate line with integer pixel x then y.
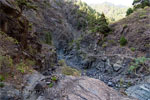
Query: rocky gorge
{"type": "Point", "coordinates": [42, 42]}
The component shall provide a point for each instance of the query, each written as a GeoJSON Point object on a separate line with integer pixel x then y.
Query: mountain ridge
{"type": "Point", "coordinates": [112, 12]}
{"type": "Point", "coordinates": [111, 4]}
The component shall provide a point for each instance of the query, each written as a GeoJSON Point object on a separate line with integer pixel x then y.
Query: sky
{"type": "Point", "coordinates": [116, 2]}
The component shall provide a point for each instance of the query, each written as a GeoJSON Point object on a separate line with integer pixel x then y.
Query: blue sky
{"type": "Point", "coordinates": [116, 2]}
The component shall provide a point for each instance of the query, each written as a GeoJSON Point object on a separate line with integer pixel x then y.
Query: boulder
{"type": "Point", "coordinates": [141, 92]}
{"type": "Point", "coordinates": [32, 81]}
{"type": "Point", "coordinates": [83, 88]}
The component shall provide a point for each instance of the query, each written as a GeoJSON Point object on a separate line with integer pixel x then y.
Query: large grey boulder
{"type": "Point", "coordinates": [141, 92]}
{"type": "Point", "coordinates": [83, 88]}
{"type": "Point", "coordinates": [32, 81]}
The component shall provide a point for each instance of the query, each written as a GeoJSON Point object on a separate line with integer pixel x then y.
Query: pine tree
{"type": "Point", "coordinates": [102, 25]}
{"type": "Point", "coordinates": [129, 11]}
{"type": "Point", "coordinates": [103, 18]}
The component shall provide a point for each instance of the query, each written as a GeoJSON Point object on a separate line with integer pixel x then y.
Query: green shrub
{"type": "Point", "coordinates": [54, 78]}
{"type": "Point", "coordinates": [129, 11]}
{"type": "Point", "coordinates": [25, 66]}
{"type": "Point", "coordinates": [121, 82]}
{"type": "Point", "coordinates": [48, 38]}
{"type": "Point", "coordinates": [147, 45]}
{"type": "Point", "coordinates": [104, 45]}
{"type": "Point", "coordinates": [123, 41]}
{"type": "Point", "coordinates": [21, 67]}
{"type": "Point", "coordinates": [51, 85]}
{"type": "Point", "coordinates": [143, 16]}
{"type": "Point", "coordinates": [125, 26]}
{"type": "Point", "coordinates": [132, 68]}
{"type": "Point", "coordinates": [146, 7]}
{"type": "Point", "coordinates": [137, 63]}
{"type": "Point", "coordinates": [111, 42]}
{"type": "Point", "coordinates": [5, 61]}
{"type": "Point", "coordinates": [67, 70]}
{"type": "Point", "coordinates": [2, 78]}
{"type": "Point", "coordinates": [70, 71]}
{"type": "Point", "coordinates": [62, 62]}
{"type": "Point", "coordinates": [133, 49]}
{"type": "Point", "coordinates": [2, 85]}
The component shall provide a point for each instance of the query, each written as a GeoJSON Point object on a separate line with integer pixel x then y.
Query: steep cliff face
{"type": "Point", "coordinates": [17, 26]}
{"type": "Point", "coordinates": [21, 50]}
{"type": "Point", "coordinates": [49, 21]}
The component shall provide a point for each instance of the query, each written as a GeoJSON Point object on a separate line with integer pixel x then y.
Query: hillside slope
{"type": "Point", "coordinates": [135, 28]}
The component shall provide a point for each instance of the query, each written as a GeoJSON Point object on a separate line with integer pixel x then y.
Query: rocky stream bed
{"type": "Point", "coordinates": [99, 69]}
